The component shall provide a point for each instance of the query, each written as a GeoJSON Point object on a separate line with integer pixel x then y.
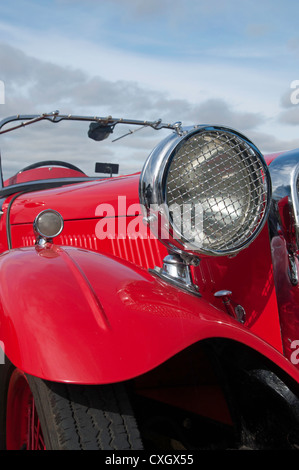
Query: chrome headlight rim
{"type": "Point", "coordinates": [153, 191]}
{"type": "Point", "coordinates": [52, 229]}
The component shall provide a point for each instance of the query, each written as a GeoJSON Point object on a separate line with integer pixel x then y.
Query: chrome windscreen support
{"type": "Point", "coordinates": [176, 270]}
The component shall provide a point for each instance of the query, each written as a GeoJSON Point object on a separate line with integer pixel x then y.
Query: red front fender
{"type": "Point", "coordinates": [68, 314]}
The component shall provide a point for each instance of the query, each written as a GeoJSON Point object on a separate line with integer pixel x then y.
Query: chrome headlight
{"type": "Point", "coordinates": [207, 191]}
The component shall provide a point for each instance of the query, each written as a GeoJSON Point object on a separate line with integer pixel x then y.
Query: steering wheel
{"type": "Point", "coordinates": [51, 163]}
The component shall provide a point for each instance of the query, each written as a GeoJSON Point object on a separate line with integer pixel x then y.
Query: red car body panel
{"type": "Point", "coordinates": [80, 201]}
{"type": "Point", "coordinates": [104, 285]}
{"type": "Point", "coordinates": [106, 301]}
{"type": "Point", "coordinates": [96, 319]}
{"type": "Point", "coordinates": [236, 274]}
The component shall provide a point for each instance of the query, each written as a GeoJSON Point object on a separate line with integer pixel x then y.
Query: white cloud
{"type": "Point", "coordinates": [35, 86]}
{"type": "Point", "coordinates": [188, 61]}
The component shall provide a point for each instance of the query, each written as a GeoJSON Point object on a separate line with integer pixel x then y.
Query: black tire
{"type": "Point", "coordinates": [72, 417]}
{"type": "Point", "coordinates": [79, 417]}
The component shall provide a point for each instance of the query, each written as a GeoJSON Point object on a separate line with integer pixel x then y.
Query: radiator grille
{"type": "Point", "coordinates": [146, 253]}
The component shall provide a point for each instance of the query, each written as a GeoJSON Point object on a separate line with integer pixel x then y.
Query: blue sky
{"type": "Point", "coordinates": [218, 62]}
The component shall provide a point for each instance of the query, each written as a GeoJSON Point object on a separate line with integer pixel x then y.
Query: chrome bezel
{"type": "Point", "coordinates": [152, 192]}
{"type": "Point", "coordinates": [284, 226]}
{"type": "Point", "coordinates": [40, 233]}
{"type": "Point", "coordinates": [284, 171]}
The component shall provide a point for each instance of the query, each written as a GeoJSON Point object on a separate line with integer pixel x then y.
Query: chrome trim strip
{"type": "Point", "coordinates": [295, 199]}
{"type": "Point", "coordinates": [284, 171]}
{"type": "Point", "coordinates": [283, 232]}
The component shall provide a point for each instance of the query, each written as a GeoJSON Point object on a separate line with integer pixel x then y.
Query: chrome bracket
{"type": "Point", "coordinates": [236, 312]}
{"type": "Point", "coordinates": [41, 241]}
{"type": "Point", "coordinates": [176, 271]}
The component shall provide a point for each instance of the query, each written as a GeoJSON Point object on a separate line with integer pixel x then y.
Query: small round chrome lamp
{"type": "Point", "coordinates": [47, 225]}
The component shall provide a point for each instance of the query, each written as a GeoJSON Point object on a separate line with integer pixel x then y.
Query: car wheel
{"type": "Point", "coordinates": [56, 416]}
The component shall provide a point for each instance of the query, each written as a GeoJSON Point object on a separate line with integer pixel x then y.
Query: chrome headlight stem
{"type": "Point", "coordinates": [177, 271]}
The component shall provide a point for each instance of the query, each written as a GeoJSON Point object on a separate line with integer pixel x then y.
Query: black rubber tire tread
{"type": "Point", "coordinates": [6, 370]}
{"type": "Point", "coordinates": [80, 417]}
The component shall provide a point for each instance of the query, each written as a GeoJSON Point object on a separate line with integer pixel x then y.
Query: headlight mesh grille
{"type": "Point", "coordinates": [226, 176]}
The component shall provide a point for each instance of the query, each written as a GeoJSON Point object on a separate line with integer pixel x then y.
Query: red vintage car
{"type": "Point", "coordinates": [157, 310]}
